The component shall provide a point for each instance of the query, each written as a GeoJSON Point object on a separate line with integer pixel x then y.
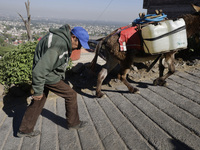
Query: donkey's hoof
{"type": "Point", "coordinates": [165, 84]}
{"type": "Point", "coordinates": [134, 90]}
{"type": "Point", "coordinates": [159, 82]}
{"type": "Point", "coordinates": [155, 82]}
{"type": "Point", "coordinates": [100, 95]}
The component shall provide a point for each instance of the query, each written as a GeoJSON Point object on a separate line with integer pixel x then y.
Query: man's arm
{"type": "Point", "coordinates": [41, 70]}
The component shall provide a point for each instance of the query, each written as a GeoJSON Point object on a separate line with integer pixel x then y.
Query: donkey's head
{"type": "Point", "coordinates": [192, 21]}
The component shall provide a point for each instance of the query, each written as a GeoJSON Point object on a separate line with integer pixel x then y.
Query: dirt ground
{"type": "Point", "coordinates": [180, 65]}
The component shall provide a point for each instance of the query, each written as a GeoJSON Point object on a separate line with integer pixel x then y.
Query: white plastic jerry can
{"type": "Point", "coordinates": [156, 39]}
{"type": "Point", "coordinates": [179, 39]}
{"type": "Point", "coordinates": [152, 31]}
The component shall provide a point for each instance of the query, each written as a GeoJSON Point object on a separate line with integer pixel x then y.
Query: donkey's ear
{"type": "Point", "coordinates": [196, 8]}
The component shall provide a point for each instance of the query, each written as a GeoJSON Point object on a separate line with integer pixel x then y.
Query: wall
{"type": "Point", "coordinates": [173, 8]}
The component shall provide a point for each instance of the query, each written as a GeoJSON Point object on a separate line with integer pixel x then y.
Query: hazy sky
{"type": "Point", "coordinates": [95, 10]}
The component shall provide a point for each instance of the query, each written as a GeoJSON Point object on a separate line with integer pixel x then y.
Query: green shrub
{"type": "Point", "coordinates": [16, 65]}
{"type": "Point", "coordinates": [70, 65]}
{"type": "Point", "coordinates": [5, 49]}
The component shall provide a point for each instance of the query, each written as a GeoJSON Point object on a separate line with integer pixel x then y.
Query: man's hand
{"type": "Point", "coordinates": [37, 98]}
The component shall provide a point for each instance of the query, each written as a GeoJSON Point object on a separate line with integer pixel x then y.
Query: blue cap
{"type": "Point", "coordinates": [82, 35]}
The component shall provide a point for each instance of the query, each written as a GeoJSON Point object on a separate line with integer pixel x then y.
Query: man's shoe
{"type": "Point", "coordinates": [82, 124]}
{"type": "Point", "coordinates": [32, 134]}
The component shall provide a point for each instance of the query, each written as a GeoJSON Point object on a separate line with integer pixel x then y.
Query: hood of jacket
{"type": "Point", "coordinates": [64, 33]}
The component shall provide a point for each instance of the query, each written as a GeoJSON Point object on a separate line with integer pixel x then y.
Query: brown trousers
{"type": "Point", "coordinates": [34, 110]}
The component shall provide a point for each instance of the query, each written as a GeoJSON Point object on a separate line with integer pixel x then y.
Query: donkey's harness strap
{"type": "Point", "coordinates": [153, 63]}
{"type": "Point", "coordinates": [166, 34]}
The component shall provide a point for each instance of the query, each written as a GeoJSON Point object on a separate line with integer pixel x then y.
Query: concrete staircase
{"type": "Point", "coordinates": [164, 118]}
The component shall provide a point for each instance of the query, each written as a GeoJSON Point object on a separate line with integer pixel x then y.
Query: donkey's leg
{"type": "Point", "coordinates": [122, 76]}
{"type": "Point", "coordinates": [161, 67]}
{"type": "Point", "coordinates": [169, 60]}
{"type": "Point", "coordinates": [110, 64]}
{"type": "Point", "coordinates": [124, 70]}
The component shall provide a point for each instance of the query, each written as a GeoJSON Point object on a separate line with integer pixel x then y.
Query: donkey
{"type": "Point", "coordinates": [109, 47]}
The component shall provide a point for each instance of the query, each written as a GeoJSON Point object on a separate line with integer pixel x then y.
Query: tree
{"type": "Point", "coordinates": [28, 21]}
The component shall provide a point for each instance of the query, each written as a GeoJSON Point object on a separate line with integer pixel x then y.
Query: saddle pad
{"type": "Point", "coordinates": [129, 38]}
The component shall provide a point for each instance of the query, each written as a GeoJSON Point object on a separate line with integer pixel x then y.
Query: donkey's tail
{"type": "Point", "coordinates": [97, 50]}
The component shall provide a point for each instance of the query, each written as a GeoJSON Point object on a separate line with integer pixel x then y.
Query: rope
{"type": "Point", "coordinates": [149, 18]}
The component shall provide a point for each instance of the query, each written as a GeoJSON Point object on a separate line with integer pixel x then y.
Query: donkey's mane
{"type": "Point", "coordinates": [192, 22]}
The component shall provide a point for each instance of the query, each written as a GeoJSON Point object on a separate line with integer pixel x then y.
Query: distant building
{"type": "Point", "coordinates": [172, 8]}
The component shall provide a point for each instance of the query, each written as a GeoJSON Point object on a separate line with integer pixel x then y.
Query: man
{"type": "Point", "coordinates": [50, 61]}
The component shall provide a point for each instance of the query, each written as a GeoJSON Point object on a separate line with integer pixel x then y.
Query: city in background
{"type": "Point", "coordinates": [12, 29]}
